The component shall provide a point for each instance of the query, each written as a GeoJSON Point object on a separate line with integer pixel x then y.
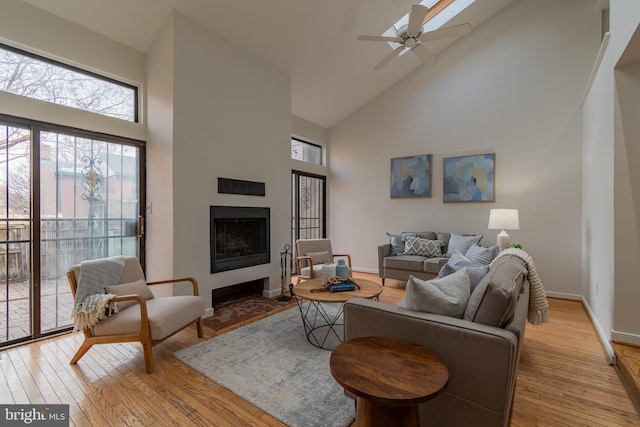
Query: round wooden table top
{"type": "Point", "coordinates": [368, 289]}
{"type": "Point", "coordinates": [389, 371]}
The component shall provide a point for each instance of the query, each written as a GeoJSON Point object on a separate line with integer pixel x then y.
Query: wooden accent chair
{"type": "Point", "coordinates": [312, 254]}
{"type": "Point", "coordinates": [161, 317]}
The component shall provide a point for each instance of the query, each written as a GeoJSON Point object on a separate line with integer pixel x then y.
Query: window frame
{"type": "Point", "coordinates": [136, 101]}
{"type": "Point", "coordinates": [322, 153]}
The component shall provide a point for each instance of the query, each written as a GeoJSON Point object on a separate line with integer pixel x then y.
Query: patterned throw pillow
{"type": "Point", "coordinates": [422, 247]}
{"type": "Point", "coordinates": [397, 242]}
{"type": "Point", "coordinates": [481, 255]}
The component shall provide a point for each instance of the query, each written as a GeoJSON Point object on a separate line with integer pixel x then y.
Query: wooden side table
{"type": "Point", "coordinates": [390, 378]}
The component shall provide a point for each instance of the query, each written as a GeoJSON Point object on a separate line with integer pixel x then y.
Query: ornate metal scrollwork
{"type": "Point", "coordinates": [92, 182]}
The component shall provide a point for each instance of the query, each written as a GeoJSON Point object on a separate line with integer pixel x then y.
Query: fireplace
{"type": "Point", "coordinates": [239, 237]}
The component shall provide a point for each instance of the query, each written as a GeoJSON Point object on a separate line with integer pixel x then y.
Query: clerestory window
{"type": "Point", "coordinates": [24, 73]}
{"type": "Point", "coordinates": [306, 151]}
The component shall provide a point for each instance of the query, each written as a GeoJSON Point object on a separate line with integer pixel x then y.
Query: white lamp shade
{"type": "Point", "coordinates": [504, 219]}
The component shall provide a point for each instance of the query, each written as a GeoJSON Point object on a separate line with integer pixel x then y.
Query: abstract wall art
{"type": "Point", "coordinates": [469, 178]}
{"type": "Point", "coordinates": [411, 176]}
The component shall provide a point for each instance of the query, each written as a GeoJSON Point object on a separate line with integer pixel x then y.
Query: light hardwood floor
{"type": "Point", "coordinates": [563, 380]}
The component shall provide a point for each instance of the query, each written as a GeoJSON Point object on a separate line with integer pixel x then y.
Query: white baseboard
{"type": "Point", "coordinates": [564, 296]}
{"type": "Point", "coordinates": [604, 339]}
{"type": "Point", "coordinates": [272, 293]}
{"type": "Point", "coordinates": [625, 338]}
{"type": "Point", "coordinates": [365, 270]}
{"type": "Point", "coordinates": [208, 312]}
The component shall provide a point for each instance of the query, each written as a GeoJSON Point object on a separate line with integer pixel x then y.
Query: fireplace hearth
{"type": "Point", "coordinates": [239, 237]}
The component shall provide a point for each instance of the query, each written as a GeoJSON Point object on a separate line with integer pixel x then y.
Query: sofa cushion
{"type": "Point", "coordinates": [423, 247]}
{"type": "Point", "coordinates": [481, 255]}
{"type": "Point", "coordinates": [447, 296]}
{"type": "Point", "coordinates": [494, 299]}
{"type": "Point", "coordinates": [460, 243]}
{"type": "Point", "coordinates": [319, 257]}
{"type": "Point", "coordinates": [404, 262]}
{"type": "Point", "coordinates": [433, 265]}
{"type": "Point", "coordinates": [166, 316]}
{"type": "Point", "coordinates": [445, 237]}
{"type": "Point", "coordinates": [397, 242]}
{"type": "Point", "coordinates": [139, 287]}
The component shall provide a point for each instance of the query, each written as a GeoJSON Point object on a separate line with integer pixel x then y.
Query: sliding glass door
{"type": "Point", "coordinates": [77, 198]}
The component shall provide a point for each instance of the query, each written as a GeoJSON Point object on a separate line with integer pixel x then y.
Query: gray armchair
{"type": "Point", "coordinates": [141, 318]}
{"type": "Point", "coordinates": [312, 255]}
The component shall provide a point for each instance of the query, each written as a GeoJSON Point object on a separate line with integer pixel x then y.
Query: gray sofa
{"type": "Point", "coordinates": [394, 265]}
{"type": "Point", "coordinates": [481, 350]}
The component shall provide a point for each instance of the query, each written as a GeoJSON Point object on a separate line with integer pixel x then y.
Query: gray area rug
{"type": "Point", "coordinates": [271, 364]}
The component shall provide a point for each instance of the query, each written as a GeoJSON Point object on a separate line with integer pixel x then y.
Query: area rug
{"type": "Point", "coordinates": [271, 364]}
{"type": "Point", "coordinates": [234, 309]}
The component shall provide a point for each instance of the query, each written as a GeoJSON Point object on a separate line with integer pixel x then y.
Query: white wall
{"type": "Point", "coordinates": [513, 87]}
{"type": "Point", "coordinates": [597, 199]}
{"type": "Point", "coordinates": [231, 119]}
{"type": "Point", "coordinates": [159, 218]}
{"type": "Point", "coordinates": [611, 245]}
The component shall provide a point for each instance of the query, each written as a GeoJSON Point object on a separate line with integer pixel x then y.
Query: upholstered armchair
{"type": "Point", "coordinates": [141, 317]}
{"type": "Point", "coordinates": [312, 255]}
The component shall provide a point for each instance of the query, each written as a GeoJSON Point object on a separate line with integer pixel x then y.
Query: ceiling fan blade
{"type": "Point", "coordinates": [416, 19]}
{"type": "Point", "coordinates": [447, 32]}
{"type": "Point", "coordinates": [380, 39]}
{"type": "Point", "coordinates": [388, 58]}
{"type": "Point", "coordinates": [424, 55]}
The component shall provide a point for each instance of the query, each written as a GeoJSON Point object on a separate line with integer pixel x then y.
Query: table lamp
{"type": "Point", "coordinates": [503, 219]}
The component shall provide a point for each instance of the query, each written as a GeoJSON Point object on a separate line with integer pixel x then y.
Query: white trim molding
{"type": "Point", "coordinates": [604, 339]}
{"type": "Point", "coordinates": [625, 338]}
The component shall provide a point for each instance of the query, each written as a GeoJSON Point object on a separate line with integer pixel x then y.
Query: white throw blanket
{"type": "Point", "coordinates": [91, 301]}
{"type": "Point", "coordinates": [538, 304]}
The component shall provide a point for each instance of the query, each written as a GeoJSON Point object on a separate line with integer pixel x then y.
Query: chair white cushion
{"type": "Point", "coordinates": [166, 316]}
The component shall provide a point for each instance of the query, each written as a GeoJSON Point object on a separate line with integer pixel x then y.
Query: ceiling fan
{"type": "Point", "coordinates": [412, 37]}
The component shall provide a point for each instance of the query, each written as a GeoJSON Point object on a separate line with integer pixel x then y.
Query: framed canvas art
{"type": "Point", "coordinates": [470, 178]}
{"type": "Point", "coordinates": [411, 176]}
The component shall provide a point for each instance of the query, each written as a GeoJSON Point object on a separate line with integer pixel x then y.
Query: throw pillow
{"type": "Point", "coordinates": [460, 243]}
{"type": "Point", "coordinates": [422, 247]}
{"type": "Point", "coordinates": [397, 242]}
{"type": "Point", "coordinates": [481, 255]}
{"type": "Point", "coordinates": [319, 257]}
{"type": "Point", "coordinates": [494, 300]}
{"type": "Point", "coordinates": [457, 262]}
{"type": "Point", "coordinates": [447, 295]}
{"type": "Point", "coordinates": [139, 287]}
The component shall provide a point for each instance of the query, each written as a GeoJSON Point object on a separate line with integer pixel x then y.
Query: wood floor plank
{"type": "Point", "coordinates": [563, 379]}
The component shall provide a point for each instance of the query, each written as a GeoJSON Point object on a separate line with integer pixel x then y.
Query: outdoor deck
{"type": "Point", "coordinates": [56, 306]}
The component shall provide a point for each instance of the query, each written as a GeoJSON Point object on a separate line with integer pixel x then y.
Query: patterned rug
{"type": "Point", "coordinates": [270, 364]}
{"type": "Point", "coordinates": [233, 309]}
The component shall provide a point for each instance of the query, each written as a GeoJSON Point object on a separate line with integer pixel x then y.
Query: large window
{"type": "Point", "coordinates": [65, 196]}
{"type": "Point", "coordinates": [306, 151]}
{"type": "Point", "coordinates": [33, 76]}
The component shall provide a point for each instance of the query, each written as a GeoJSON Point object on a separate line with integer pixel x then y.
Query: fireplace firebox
{"type": "Point", "coordinates": [239, 237]}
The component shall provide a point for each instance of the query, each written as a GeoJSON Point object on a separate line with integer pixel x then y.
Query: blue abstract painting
{"type": "Point", "coordinates": [469, 178]}
{"type": "Point", "coordinates": [411, 176]}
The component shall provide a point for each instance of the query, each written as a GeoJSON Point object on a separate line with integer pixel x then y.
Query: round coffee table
{"type": "Point", "coordinates": [390, 378]}
{"type": "Point", "coordinates": [322, 316]}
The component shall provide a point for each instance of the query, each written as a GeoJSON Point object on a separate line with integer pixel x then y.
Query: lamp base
{"type": "Point", "coordinates": [503, 240]}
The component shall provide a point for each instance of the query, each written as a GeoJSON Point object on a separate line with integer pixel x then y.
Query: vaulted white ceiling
{"type": "Point", "coordinates": [314, 42]}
